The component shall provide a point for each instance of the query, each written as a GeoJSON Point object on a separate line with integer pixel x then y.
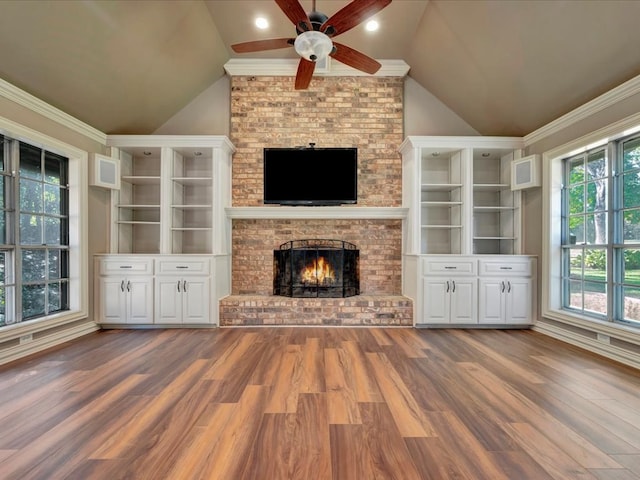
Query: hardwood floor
{"type": "Point", "coordinates": [318, 403]}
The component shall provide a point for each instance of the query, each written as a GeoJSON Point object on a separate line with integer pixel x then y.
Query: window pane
{"type": "Point", "coordinates": [31, 196]}
{"type": "Point", "coordinates": [1, 152]}
{"type": "Point", "coordinates": [576, 229]}
{"type": "Point", "coordinates": [3, 261]}
{"type": "Point", "coordinates": [52, 232]}
{"type": "Point", "coordinates": [631, 189]}
{"type": "Point", "coordinates": [595, 297]}
{"type": "Point", "coordinates": [596, 165]}
{"type": "Point", "coordinates": [3, 227]}
{"type": "Point", "coordinates": [33, 300]}
{"type": "Point", "coordinates": [55, 297]}
{"type": "Point", "coordinates": [30, 162]}
{"type": "Point", "coordinates": [631, 226]}
{"type": "Point", "coordinates": [631, 154]}
{"type": "Point", "coordinates": [3, 307]}
{"type": "Point", "coordinates": [596, 196]}
{"type": "Point", "coordinates": [3, 193]}
{"type": "Point", "coordinates": [30, 229]}
{"type": "Point", "coordinates": [575, 263]}
{"type": "Point", "coordinates": [52, 200]}
{"type": "Point", "coordinates": [595, 264]}
{"type": "Point", "coordinates": [596, 228]}
{"type": "Point", "coordinates": [575, 294]}
{"type": "Point", "coordinates": [576, 170]}
{"type": "Point", "coordinates": [55, 168]}
{"type": "Point", "coordinates": [58, 264]}
{"type": "Point", "coordinates": [631, 303]}
{"type": "Point", "coordinates": [631, 274]}
{"type": "Point", "coordinates": [33, 265]}
{"type": "Point", "coordinates": [576, 199]}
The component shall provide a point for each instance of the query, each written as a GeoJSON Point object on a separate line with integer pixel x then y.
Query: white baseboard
{"type": "Point", "coordinates": [43, 342]}
{"type": "Point", "coordinates": [592, 345]}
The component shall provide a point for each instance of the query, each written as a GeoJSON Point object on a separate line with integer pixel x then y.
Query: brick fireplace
{"type": "Point", "coordinates": [363, 112]}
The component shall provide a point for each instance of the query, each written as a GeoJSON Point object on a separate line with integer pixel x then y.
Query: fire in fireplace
{"type": "Point", "coordinates": [316, 268]}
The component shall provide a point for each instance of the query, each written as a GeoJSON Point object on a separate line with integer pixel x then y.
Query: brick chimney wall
{"type": "Point", "coordinates": [363, 112]}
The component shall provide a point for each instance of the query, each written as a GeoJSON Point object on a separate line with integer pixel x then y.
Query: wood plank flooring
{"type": "Point", "coordinates": [318, 403]}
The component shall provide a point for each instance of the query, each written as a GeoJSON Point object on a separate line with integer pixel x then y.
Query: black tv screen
{"type": "Point", "coordinates": [310, 176]}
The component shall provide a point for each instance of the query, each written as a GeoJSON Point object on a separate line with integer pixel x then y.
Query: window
{"type": "Point", "coordinates": [34, 232]}
{"type": "Point", "coordinates": [601, 232]}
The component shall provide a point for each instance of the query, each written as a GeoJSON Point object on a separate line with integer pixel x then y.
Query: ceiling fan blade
{"type": "Point", "coordinates": [352, 15]}
{"type": "Point", "coordinates": [304, 74]}
{"type": "Point", "coordinates": [355, 59]}
{"type": "Point", "coordinates": [260, 45]}
{"type": "Point", "coordinates": [294, 12]}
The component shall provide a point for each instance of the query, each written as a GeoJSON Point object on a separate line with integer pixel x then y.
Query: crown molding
{"type": "Point", "coordinates": [613, 96]}
{"type": "Point", "coordinates": [16, 95]}
{"type": "Point", "coordinates": [289, 66]}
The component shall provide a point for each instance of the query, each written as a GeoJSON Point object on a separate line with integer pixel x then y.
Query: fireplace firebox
{"type": "Point", "coordinates": [316, 268]}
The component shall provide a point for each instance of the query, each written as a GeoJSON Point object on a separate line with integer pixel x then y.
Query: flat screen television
{"type": "Point", "coordinates": [310, 176]}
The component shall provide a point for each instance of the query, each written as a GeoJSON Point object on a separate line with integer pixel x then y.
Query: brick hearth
{"type": "Point", "coordinates": [376, 310]}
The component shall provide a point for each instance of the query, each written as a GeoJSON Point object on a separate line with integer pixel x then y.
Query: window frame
{"type": "Point", "coordinates": [551, 277]}
{"type": "Point", "coordinates": [78, 231]}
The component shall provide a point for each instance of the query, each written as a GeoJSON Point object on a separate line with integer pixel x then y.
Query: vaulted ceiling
{"type": "Point", "coordinates": [507, 67]}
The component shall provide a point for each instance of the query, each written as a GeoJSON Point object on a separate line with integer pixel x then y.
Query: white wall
{"type": "Point", "coordinates": [424, 114]}
{"type": "Point", "coordinates": [207, 114]}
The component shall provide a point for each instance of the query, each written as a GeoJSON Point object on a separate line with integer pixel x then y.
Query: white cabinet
{"type": "Point", "coordinates": [183, 290]}
{"type": "Point", "coordinates": [155, 289]}
{"type": "Point", "coordinates": [173, 192]}
{"type": "Point", "coordinates": [449, 300]}
{"type": "Point", "coordinates": [474, 290]}
{"type": "Point", "coordinates": [458, 195]}
{"type": "Point", "coordinates": [124, 290]}
{"type": "Point", "coordinates": [506, 291]}
{"type": "Point", "coordinates": [449, 290]}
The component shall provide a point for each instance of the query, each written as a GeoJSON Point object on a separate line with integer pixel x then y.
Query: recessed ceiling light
{"type": "Point", "coordinates": [262, 23]}
{"type": "Point", "coordinates": [372, 26]}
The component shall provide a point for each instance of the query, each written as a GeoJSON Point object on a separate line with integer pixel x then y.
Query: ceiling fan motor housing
{"type": "Point", "coordinates": [317, 19]}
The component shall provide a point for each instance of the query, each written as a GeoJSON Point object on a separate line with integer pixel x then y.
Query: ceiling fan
{"type": "Point", "coordinates": [314, 37]}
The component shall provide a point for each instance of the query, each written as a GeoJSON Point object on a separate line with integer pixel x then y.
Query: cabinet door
{"type": "Point", "coordinates": [436, 300]}
{"type": "Point", "coordinates": [169, 300]}
{"type": "Point", "coordinates": [463, 308]}
{"type": "Point", "coordinates": [491, 302]}
{"type": "Point", "coordinates": [518, 301]}
{"type": "Point", "coordinates": [113, 308]}
{"type": "Point", "coordinates": [140, 300]}
{"type": "Point", "coordinates": [196, 299]}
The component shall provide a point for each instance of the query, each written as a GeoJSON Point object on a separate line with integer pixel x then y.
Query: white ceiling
{"type": "Point", "coordinates": [507, 67]}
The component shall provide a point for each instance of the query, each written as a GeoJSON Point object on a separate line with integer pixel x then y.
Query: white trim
{"type": "Point", "coordinates": [375, 213]}
{"type": "Point", "coordinates": [606, 350]}
{"type": "Point", "coordinates": [16, 95]}
{"type": "Point", "coordinates": [47, 341]}
{"type": "Point", "coordinates": [214, 141]}
{"type": "Point", "coordinates": [289, 66]}
{"type": "Point", "coordinates": [613, 96]}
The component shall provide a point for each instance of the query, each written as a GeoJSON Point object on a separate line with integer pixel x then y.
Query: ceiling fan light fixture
{"type": "Point", "coordinates": [313, 46]}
